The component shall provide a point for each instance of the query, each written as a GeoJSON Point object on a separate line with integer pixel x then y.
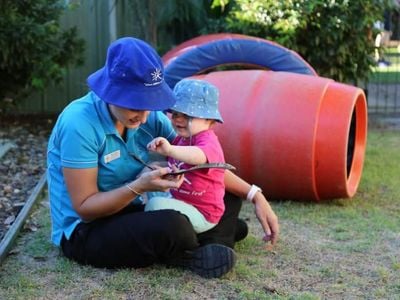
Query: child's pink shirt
{"type": "Point", "coordinates": [207, 189]}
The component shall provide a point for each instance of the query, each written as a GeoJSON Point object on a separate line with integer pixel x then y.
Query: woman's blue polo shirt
{"type": "Point", "coordinates": [84, 136]}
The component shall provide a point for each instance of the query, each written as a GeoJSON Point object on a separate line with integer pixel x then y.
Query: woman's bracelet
{"type": "Point", "coordinates": [132, 190]}
{"type": "Point", "coordinates": [253, 191]}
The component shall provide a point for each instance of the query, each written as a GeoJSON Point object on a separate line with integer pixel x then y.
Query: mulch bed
{"type": "Point", "coordinates": [22, 166]}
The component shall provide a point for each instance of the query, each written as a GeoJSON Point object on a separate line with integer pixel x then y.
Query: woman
{"type": "Point", "coordinates": [95, 153]}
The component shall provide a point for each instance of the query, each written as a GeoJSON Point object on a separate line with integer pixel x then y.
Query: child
{"type": "Point", "coordinates": [200, 197]}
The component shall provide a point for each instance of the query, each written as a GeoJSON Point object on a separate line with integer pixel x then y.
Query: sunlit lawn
{"type": "Point", "coordinates": [388, 74]}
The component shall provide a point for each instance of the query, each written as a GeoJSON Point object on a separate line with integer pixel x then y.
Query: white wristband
{"type": "Point", "coordinates": [253, 191]}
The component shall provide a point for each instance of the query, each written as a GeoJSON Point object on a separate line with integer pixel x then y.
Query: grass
{"type": "Point", "coordinates": [339, 249]}
{"type": "Point", "coordinates": [386, 75]}
{"type": "Point", "coordinates": [389, 74]}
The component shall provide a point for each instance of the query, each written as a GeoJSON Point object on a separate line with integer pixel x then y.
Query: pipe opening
{"type": "Point", "coordinates": [351, 143]}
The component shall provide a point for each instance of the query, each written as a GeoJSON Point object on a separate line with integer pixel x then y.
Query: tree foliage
{"type": "Point", "coordinates": [179, 19]}
{"type": "Point", "coordinates": [34, 50]}
{"type": "Point", "coordinates": [334, 36]}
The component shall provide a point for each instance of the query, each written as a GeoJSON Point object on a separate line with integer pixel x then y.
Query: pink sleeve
{"type": "Point", "coordinates": [211, 147]}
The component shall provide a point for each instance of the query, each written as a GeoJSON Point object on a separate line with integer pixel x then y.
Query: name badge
{"type": "Point", "coordinates": [112, 156]}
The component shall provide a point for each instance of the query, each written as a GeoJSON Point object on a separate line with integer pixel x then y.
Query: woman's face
{"type": "Point", "coordinates": [129, 118]}
{"type": "Point", "coordinates": [181, 124]}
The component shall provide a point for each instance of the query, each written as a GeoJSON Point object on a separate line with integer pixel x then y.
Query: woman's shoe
{"type": "Point", "coordinates": [209, 261]}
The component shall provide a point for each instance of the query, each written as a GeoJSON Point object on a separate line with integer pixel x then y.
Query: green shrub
{"type": "Point", "coordinates": [337, 38]}
{"type": "Point", "coordinates": [173, 22]}
{"type": "Point", "coordinates": [34, 49]}
{"type": "Point", "coordinates": [334, 36]}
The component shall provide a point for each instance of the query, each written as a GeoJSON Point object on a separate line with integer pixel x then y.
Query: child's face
{"type": "Point", "coordinates": [181, 124]}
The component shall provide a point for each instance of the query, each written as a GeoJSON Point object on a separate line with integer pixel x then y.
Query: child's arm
{"type": "Point", "coordinates": [265, 215]}
{"type": "Point", "coordinates": [191, 155]}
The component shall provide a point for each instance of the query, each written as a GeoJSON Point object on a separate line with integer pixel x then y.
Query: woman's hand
{"type": "Point", "coordinates": [267, 218]}
{"type": "Point", "coordinates": [92, 204]}
{"type": "Point", "coordinates": [158, 180]}
{"type": "Point", "coordinates": [154, 166]}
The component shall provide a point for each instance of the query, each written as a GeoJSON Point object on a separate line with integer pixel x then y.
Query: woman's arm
{"type": "Point", "coordinates": [91, 204]}
{"type": "Point", "coordinates": [264, 212]}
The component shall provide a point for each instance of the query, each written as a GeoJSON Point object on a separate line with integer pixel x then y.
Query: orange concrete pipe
{"type": "Point", "coordinates": [298, 137]}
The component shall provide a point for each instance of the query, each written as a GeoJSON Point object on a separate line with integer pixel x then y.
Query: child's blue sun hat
{"type": "Point", "coordinates": [197, 98]}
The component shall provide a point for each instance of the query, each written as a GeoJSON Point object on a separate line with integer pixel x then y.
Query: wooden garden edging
{"type": "Point", "coordinates": [9, 238]}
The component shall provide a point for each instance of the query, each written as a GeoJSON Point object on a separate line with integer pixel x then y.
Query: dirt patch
{"type": "Point", "coordinates": [22, 166]}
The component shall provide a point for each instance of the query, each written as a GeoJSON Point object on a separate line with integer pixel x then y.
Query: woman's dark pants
{"type": "Point", "coordinates": [134, 238]}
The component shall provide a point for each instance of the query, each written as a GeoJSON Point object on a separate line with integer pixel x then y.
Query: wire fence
{"type": "Point", "coordinates": [383, 88]}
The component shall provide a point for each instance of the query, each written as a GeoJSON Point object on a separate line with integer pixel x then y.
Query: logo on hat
{"type": "Point", "coordinates": [156, 77]}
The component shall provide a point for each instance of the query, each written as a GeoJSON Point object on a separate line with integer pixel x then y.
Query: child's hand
{"type": "Point", "coordinates": [160, 145]}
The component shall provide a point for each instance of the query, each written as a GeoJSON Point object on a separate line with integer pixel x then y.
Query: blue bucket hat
{"type": "Point", "coordinates": [133, 77]}
{"type": "Point", "coordinates": [197, 98]}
